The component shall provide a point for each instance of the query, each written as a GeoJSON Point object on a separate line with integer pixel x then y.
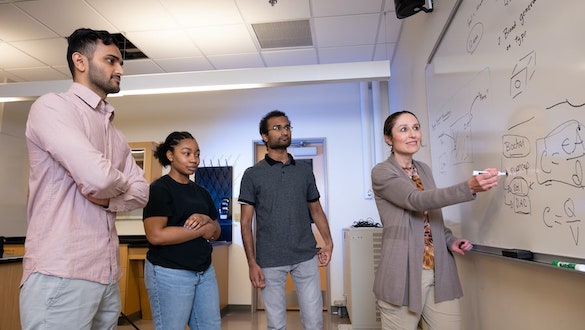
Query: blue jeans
{"type": "Point", "coordinates": [182, 297]}
{"type": "Point", "coordinates": [307, 283]}
{"type": "Point", "coordinates": [51, 302]}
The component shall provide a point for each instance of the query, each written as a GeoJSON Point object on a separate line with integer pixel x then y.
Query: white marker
{"type": "Point", "coordinates": [483, 172]}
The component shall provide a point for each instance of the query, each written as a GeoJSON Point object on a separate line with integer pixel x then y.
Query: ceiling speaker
{"type": "Point", "coordinates": [405, 8]}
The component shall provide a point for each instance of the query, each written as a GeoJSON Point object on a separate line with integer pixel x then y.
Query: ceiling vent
{"type": "Point", "coordinates": [283, 34]}
{"type": "Point", "coordinates": [129, 51]}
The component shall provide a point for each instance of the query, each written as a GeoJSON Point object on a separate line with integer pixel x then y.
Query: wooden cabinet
{"type": "Point", "coordinates": [129, 287]}
{"type": "Point", "coordinates": [143, 153]}
{"type": "Point", "coordinates": [10, 275]}
{"type": "Point", "coordinates": [13, 249]}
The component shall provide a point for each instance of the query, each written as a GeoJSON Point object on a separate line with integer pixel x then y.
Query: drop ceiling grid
{"type": "Point", "coordinates": [187, 35]}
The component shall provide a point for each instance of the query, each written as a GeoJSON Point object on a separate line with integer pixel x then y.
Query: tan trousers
{"type": "Point", "coordinates": [442, 316]}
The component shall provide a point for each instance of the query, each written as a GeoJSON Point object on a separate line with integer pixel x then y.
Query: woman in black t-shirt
{"type": "Point", "coordinates": [179, 221]}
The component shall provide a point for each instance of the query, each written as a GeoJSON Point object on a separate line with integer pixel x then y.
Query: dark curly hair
{"type": "Point", "coordinates": [172, 140]}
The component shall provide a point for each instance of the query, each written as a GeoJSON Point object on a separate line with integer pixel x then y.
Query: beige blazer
{"type": "Point", "coordinates": [400, 206]}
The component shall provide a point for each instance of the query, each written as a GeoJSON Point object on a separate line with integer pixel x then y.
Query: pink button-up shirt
{"type": "Point", "coordinates": [74, 150]}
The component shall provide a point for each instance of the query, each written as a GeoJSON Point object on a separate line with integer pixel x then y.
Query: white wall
{"type": "Point", "coordinates": [13, 169]}
{"type": "Point", "coordinates": [499, 293]}
{"type": "Point", "coordinates": [226, 124]}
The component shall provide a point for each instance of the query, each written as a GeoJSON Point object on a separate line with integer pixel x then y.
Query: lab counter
{"type": "Point", "coordinates": [132, 289]}
{"type": "Point", "coordinates": [10, 275]}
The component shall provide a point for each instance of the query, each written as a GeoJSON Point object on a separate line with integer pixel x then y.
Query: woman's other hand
{"type": "Point", "coordinates": [461, 245]}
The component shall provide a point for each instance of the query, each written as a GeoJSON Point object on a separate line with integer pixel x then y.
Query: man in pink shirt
{"type": "Point", "coordinates": [81, 173]}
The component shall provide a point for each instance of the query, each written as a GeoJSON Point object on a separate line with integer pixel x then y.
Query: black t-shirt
{"type": "Point", "coordinates": [177, 202]}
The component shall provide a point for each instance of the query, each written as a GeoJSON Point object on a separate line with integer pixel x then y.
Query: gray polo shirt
{"type": "Point", "coordinates": [280, 193]}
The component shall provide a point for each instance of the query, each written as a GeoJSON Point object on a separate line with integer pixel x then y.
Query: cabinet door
{"type": "Point", "coordinates": [143, 153]}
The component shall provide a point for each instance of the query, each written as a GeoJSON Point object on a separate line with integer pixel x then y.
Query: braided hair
{"type": "Point", "coordinates": [172, 140]}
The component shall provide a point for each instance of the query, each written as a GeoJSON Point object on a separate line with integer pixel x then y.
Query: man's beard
{"type": "Point", "coordinates": [105, 84]}
{"type": "Point", "coordinates": [279, 144]}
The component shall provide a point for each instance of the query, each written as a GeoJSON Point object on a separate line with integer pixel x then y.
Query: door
{"type": "Point", "coordinates": [313, 152]}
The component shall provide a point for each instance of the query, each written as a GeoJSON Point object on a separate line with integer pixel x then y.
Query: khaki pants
{"type": "Point", "coordinates": [442, 316]}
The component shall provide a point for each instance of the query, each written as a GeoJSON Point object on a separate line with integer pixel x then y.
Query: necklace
{"type": "Point", "coordinates": [410, 170]}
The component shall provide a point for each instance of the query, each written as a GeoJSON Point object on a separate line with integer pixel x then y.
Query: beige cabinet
{"type": "Point", "coordinates": [143, 153]}
{"type": "Point", "coordinates": [220, 261]}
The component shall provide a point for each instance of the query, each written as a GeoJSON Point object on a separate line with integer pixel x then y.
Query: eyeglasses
{"type": "Point", "coordinates": [279, 128]}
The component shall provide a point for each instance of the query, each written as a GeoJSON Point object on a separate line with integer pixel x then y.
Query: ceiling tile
{"type": "Point", "coordinates": [257, 11]}
{"type": "Point", "coordinates": [186, 64]}
{"type": "Point", "coordinates": [227, 39]}
{"type": "Point", "coordinates": [346, 30]}
{"type": "Point", "coordinates": [236, 61]}
{"type": "Point", "coordinates": [7, 77]}
{"type": "Point", "coordinates": [122, 14]}
{"type": "Point", "coordinates": [189, 13]}
{"type": "Point", "coordinates": [384, 52]}
{"type": "Point", "coordinates": [167, 44]}
{"type": "Point", "coordinates": [38, 74]}
{"type": "Point", "coordinates": [10, 77]}
{"type": "Point", "coordinates": [49, 51]}
{"type": "Point", "coordinates": [390, 7]}
{"type": "Point", "coordinates": [13, 58]}
{"type": "Point", "coordinates": [141, 66]}
{"type": "Point", "coordinates": [78, 14]}
{"type": "Point", "coordinates": [346, 54]}
{"type": "Point", "coordinates": [193, 35]}
{"type": "Point", "coordinates": [64, 69]}
{"type": "Point", "coordinates": [323, 8]}
{"type": "Point", "coordinates": [305, 56]}
{"type": "Point", "coordinates": [28, 28]}
{"type": "Point", "coordinates": [389, 28]}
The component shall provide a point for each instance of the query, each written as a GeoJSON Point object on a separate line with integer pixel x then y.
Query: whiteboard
{"type": "Point", "coordinates": [506, 89]}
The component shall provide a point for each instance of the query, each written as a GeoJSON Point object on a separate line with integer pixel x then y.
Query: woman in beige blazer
{"type": "Point", "coordinates": [417, 276]}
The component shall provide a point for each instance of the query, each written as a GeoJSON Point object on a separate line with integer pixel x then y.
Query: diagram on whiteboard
{"type": "Point", "coordinates": [452, 128]}
{"type": "Point", "coordinates": [522, 74]}
{"type": "Point", "coordinates": [555, 169]}
{"type": "Point", "coordinates": [541, 152]}
{"type": "Point", "coordinates": [505, 90]}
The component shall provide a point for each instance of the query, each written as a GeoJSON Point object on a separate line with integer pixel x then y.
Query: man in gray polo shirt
{"type": "Point", "coordinates": [284, 196]}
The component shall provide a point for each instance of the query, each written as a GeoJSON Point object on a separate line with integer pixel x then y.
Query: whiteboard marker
{"type": "Point", "coordinates": [569, 265]}
{"type": "Point", "coordinates": [483, 172]}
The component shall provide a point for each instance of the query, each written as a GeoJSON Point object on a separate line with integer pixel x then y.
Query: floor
{"type": "Point", "coordinates": [246, 320]}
